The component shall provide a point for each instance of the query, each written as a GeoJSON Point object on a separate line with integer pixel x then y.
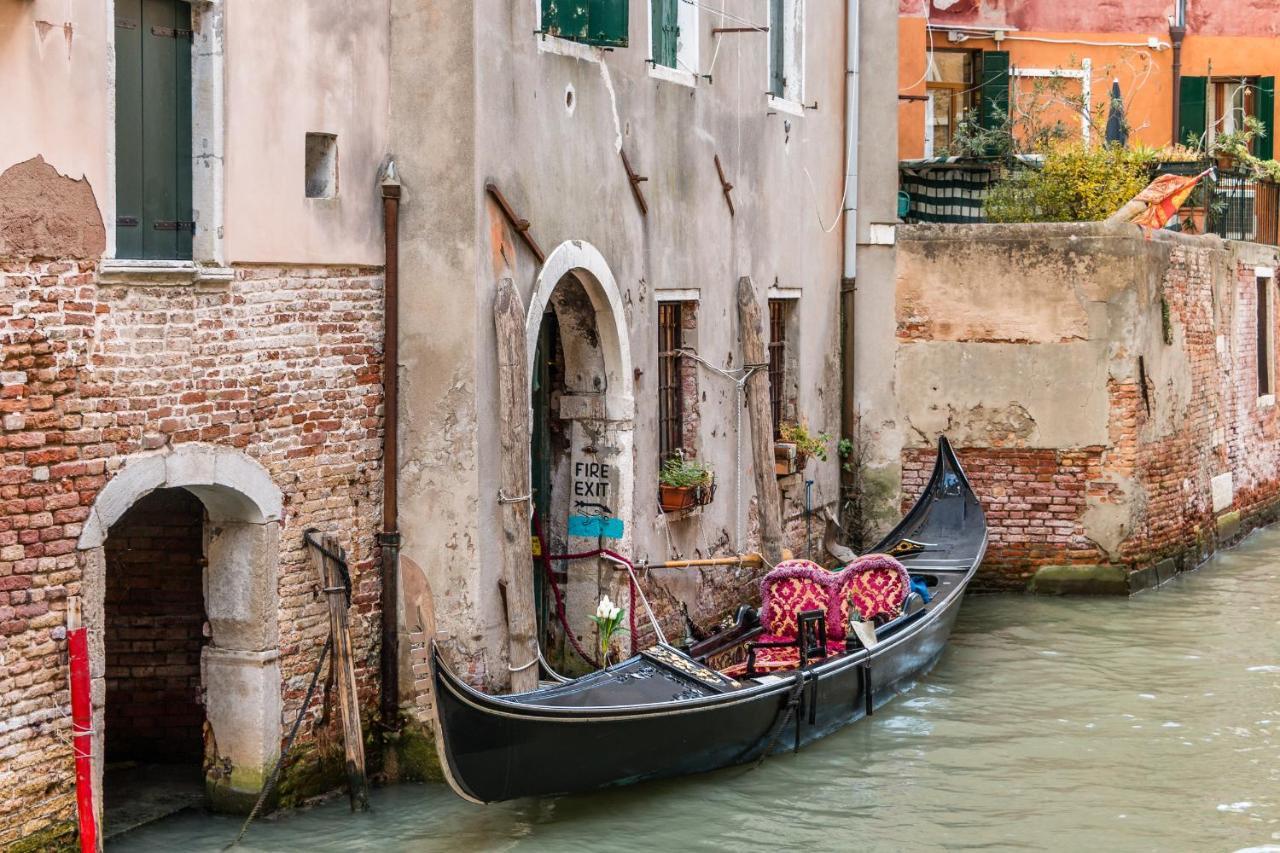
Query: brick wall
{"type": "Point", "coordinates": [153, 631]}
{"type": "Point", "coordinates": [1178, 344]}
{"type": "Point", "coordinates": [283, 363]}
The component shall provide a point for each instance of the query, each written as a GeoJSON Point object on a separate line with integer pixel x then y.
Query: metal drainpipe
{"type": "Point", "coordinates": [849, 253]}
{"type": "Point", "coordinates": [1177, 30]}
{"type": "Point", "coordinates": [389, 538]}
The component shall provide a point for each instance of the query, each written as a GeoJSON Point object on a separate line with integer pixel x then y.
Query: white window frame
{"type": "Point", "coordinates": [208, 104]}
{"type": "Point", "coordinates": [1267, 398]}
{"type": "Point", "coordinates": [687, 48]}
{"type": "Point", "coordinates": [1084, 74]}
{"type": "Point", "coordinates": [795, 18]}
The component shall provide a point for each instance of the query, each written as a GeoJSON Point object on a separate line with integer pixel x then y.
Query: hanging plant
{"type": "Point", "coordinates": [684, 484]}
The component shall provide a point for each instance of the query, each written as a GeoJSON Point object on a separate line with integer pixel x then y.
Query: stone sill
{"type": "Point", "coordinates": [673, 75]}
{"type": "Point", "coordinates": [123, 271]}
{"type": "Point", "coordinates": [1266, 401]}
{"type": "Point", "coordinates": [565, 47]}
{"type": "Point", "coordinates": [784, 106]}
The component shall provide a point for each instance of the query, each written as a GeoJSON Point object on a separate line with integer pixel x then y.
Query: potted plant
{"type": "Point", "coordinates": [684, 484]}
{"type": "Point", "coordinates": [1228, 148]}
{"type": "Point", "coordinates": [796, 445]}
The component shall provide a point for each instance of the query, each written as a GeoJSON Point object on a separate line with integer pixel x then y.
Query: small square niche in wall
{"type": "Point", "coordinates": [322, 165]}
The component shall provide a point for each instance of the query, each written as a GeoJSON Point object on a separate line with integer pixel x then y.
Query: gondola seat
{"type": "Point", "coordinates": [791, 588]}
{"type": "Point", "coordinates": [876, 584]}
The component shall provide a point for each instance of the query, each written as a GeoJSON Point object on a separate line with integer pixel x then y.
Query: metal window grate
{"type": "Point", "coordinates": [777, 358]}
{"type": "Point", "coordinates": [670, 414]}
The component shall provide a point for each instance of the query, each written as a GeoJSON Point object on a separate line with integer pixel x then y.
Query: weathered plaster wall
{"type": "Point", "coordinates": [57, 61]}
{"type": "Point", "coordinates": [54, 61]}
{"type": "Point", "coordinates": [1208, 17]}
{"type": "Point", "coordinates": [1091, 429]}
{"type": "Point", "coordinates": [545, 120]}
{"type": "Point", "coordinates": [294, 68]}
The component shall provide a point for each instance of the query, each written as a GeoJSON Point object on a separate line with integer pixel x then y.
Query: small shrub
{"type": "Point", "coordinates": [1077, 183]}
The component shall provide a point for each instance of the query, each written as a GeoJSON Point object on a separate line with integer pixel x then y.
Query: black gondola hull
{"type": "Point", "coordinates": [639, 721]}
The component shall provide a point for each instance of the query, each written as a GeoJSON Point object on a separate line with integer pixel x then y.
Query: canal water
{"type": "Point", "coordinates": [1050, 724]}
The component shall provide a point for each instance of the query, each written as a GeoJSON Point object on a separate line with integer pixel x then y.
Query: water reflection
{"type": "Point", "coordinates": [1050, 724]}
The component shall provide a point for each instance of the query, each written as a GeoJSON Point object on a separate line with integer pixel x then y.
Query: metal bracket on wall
{"type": "Point", "coordinates": [725, 187]}
{"type": "Point", "coordinates": [635, 180]}
{"type": "Point", "coordinates": [521, 225]}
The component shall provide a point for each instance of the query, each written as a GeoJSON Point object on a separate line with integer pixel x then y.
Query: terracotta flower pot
{"type": "Point", "coordinates": [676, 498]}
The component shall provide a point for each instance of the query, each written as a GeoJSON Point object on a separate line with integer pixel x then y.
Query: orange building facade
{"type": "Point", "coordinates": [1187, 69]}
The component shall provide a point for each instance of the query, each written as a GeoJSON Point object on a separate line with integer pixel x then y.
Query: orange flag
{"type": "Point", "coordinates": [1163, 197]}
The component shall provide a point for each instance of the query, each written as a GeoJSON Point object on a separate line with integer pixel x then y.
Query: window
{"type": "Point", "coordinates": [670, 414]}
{"type": "Point", "coordinates": [598, 22]}
{"type": "Point", "coordinates": [673, 35]}
{"type": "Point", "coordinates": [779, 313]}
{"type": "Point", "coordinates": [1264, 351]}
{"type": "Point", "coordinates": [786, 49]}
{"type": "Point", "coordinates": [951, 94]}
{"type": "Point", "coordinates": [321, 180]}
{"type": "Point", "coordinates": [1208, 107]}
{"type": "Point", "coordinates": [153, 130]}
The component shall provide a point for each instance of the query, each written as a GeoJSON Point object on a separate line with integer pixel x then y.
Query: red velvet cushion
{"type": "Point", "coordinates": [875, 584]}
{"type": "Point", "coordinates": [789, 589]}
{"type": "Point", "coordinates": [777, 659]}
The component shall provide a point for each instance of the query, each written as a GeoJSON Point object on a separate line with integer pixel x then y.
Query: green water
{"type": "Point", "coordinates": [1050, 724]}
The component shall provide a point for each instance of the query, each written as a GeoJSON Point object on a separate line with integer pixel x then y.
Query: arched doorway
{"type": "Point", "coordinates": [196, 529]}
{"type": "Point", "coordinates": [581, 393]}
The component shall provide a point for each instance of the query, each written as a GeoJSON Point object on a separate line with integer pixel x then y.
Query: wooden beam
{"type": "Point", "coordinates": [515, 491]}
{"type": "Point", "coordinates": [635, 180]}
{"type": "Point", "coordinates": [751, 327]}
{"type": "Point", "coordinates": [521, 225]}
{"type": "Point", "coordinates": [725, 186]}
{"type": "Point", "coordinates": [329, 559]}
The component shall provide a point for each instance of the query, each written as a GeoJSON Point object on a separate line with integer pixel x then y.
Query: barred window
{"type": "Point", "coordinates": [670, 409]}
{"type": "Point", "coordinates": [778, 311]}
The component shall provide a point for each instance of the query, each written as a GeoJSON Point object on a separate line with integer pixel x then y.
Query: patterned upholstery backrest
{"type": "Point", "coordinates": [789, 589]}
{"type": "Point", "coordinates": [874, 583]}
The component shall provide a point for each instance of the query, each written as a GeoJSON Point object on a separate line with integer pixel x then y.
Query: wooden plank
{"type": "Point", "coordinates": [344, 666]}
{"type": "Point", "coordinates": [514, 488]}
{"type": "Point", "coordinates": [751, 328]}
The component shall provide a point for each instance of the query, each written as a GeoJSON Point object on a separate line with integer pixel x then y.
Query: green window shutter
{"type": "Point", "coordinates": [607, 22]}
{"type": "Point", "coordinates": [1193, 115]}
{"type": "Point", "coordinates": [665, 31]}
{"type": "Point", "coordinates": [777, 50]}
{"type": "Point", "coordinates": [153, 129]}
{"type": "Point", "coordinates": [599, 22]}
{"type": "Point", "coordinates": [993, 89]}
{"type": "Point", "coordinates": [129, 157]}
{"type": "Point", "coordinates": [1267, 114]}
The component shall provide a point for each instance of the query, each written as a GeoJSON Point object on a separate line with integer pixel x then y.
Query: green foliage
{"type": "Point", "coordinates": [1078, 183]}
{"type": "Point", "coordinates": [806, 444]}
{"type": "Point", "coordinates": [680, 472]}
{"type": "Point", "coordinates": [1236, 143]}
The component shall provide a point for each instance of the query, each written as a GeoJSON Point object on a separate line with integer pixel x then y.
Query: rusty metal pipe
{"type": "Point", "coordinates": [389, 538]}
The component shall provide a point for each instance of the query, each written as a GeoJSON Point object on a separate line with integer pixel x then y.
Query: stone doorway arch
{"type": "Point", "coordinates": [594, 413]}
{"type": "Point", "coordinates": [239, 666]}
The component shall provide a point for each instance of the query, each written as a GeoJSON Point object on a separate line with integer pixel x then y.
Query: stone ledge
{"type": "Point", "coordinates": [1088, 579]}
{"type": "Point", "coordinates": [123, 271]}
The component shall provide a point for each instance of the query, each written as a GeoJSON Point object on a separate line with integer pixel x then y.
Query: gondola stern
{"type": "Point", "coordinates": [442, 678]}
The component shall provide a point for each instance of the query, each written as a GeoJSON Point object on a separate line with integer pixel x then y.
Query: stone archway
{"type": "Point", "coordinates": [239, 666]}
{"type": "Point", "coordinates": [595, 414]}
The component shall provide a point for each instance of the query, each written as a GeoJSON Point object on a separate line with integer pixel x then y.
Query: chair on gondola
{"type": "Point", "coordinates": [876, 584]}
{"type": "Point", "coordinates": [795, 598]}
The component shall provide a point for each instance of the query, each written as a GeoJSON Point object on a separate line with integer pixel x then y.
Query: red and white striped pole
{"type": "Point", "coordinates": [82, 725]}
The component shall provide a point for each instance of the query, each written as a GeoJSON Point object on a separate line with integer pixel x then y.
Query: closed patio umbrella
{"type": "Point", "coordinates": [1117, 127]}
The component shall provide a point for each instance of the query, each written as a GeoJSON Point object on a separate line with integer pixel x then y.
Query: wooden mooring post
{"type": "Point", "coordinates": [331, 561]}
{"type": "Point", "coordinates": [751, 327]}
{"type": "Point", "coordinates": [515, 493]}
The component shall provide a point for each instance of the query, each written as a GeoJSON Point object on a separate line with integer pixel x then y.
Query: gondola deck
{"type": "Point", "coordinates": [663, 713]}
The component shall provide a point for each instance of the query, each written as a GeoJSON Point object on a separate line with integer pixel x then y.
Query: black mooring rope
{"type": "Point", "coordinates": [293, 733]}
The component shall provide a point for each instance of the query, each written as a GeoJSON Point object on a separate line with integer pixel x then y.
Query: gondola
{"type": "Point", "coordinates": [667, 711]}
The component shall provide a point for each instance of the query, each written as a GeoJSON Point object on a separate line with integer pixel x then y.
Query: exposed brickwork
{"type": "Point", "coordinates": [154, 630]}
{"type": "Point", "coordinates": [1034, 501]}
{"type": "Point", "coordinates": [283, 364]}
{"type": "Point", "coordinates": [1183, 407]}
